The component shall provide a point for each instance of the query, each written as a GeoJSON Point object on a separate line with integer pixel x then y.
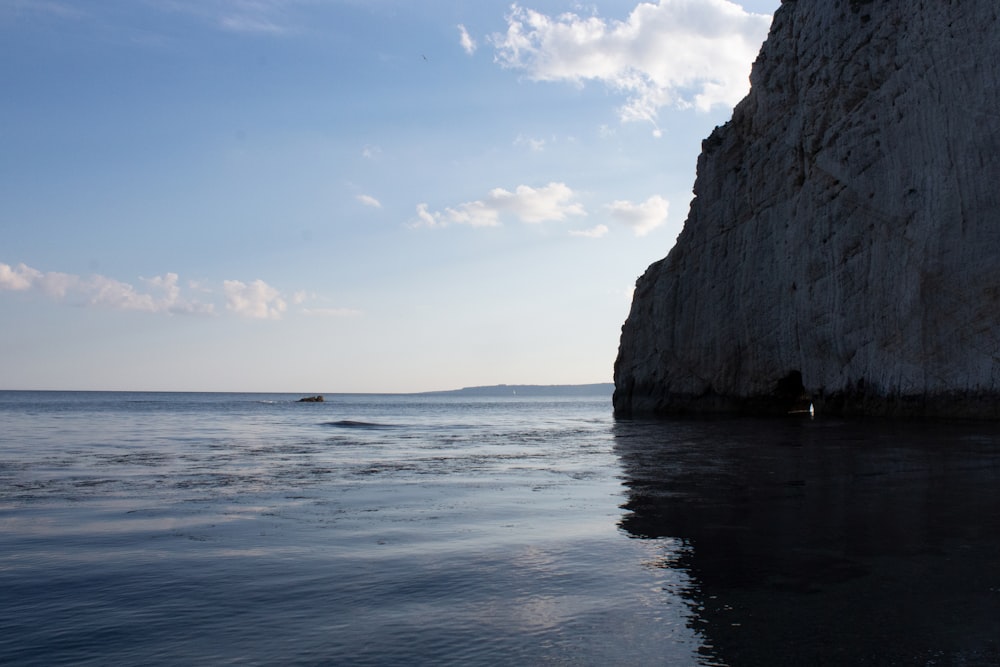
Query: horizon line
{"type": "Point", "coordinates": [315, 393]}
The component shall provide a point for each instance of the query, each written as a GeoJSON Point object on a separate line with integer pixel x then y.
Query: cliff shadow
{"type": "Point", "coordinates": [826, 542]}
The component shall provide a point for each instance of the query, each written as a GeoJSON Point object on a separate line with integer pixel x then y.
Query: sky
{"type": "Point", "coordinates": [325, 196]}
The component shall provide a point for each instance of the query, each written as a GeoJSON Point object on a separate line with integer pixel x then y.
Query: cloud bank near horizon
{"type": "Point", "coordinates": [161, 294]}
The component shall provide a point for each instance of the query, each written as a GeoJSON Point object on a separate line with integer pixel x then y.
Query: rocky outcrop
{"type": "Point", "coordinates": [843, 245]}
{"type": "Point", "coordinates": [311, 399]}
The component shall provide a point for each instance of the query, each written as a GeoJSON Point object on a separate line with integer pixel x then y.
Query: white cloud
{"type": "Point", "coordinates": [368, 200]}
{"type": "Point", "coordinates": [116, 294]}
{"type": "Point", "coordinates": [427, 219]}
{"type": "Point", "coordinates": [370, 152]}
{"type": "Point", "coordinates": [164, 297]}
{"type": "Point", "coordinates": [23, 278]}
{"type": "Point", "coordinates": [641, 218]}
{"type": "Point", "coordinates": [167, 283]}
{"type": "Point", "coordinates": [473, 214]}
{"type": "Point", "coordinates": [257, 300]}
{"type": "Point", "coordinates": [553, 202]}
{"type": "Point", "coordinates": [592, 233]}
{"type": "Point", "coordinates": [17, 278]}
{"type": "Point", "coordinates": [172, 301]}
{"type": "Point", "coordinates": [160, 294]}
{"type": "Point", "coordinates": [680, 53]}
{"type": "Point", "coordinates": [468, 44]}
{"type": "Point", "coordinates": [58, 285]}
{"type": "Point", "coordinates": [100, 290]}
{"type": "Point", "coordinates": [535, 145]}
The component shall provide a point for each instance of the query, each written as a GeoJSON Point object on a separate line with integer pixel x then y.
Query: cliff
{"type": "Point", "coordinates": [843, 245]}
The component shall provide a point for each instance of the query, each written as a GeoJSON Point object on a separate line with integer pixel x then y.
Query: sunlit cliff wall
{"type": "Point", "coordinates": [843, 246]}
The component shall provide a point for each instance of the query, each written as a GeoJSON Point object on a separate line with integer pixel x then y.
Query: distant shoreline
{"type": "Point", "coordinates": [528, 390]}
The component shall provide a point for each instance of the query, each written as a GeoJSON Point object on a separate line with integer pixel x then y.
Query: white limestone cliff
{"type": "Point", "coordinates": [843, 246]}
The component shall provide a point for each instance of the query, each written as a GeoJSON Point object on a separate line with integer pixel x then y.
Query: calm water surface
{"type": "Point", "coordinates": [248, 528]}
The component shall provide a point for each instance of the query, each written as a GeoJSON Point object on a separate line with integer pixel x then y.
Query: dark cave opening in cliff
{"type": "Point", "coordinates": [791, 392]}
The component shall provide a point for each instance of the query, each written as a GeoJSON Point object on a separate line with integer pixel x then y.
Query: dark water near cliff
{"type": "Point", "coordinates": [251, 529]}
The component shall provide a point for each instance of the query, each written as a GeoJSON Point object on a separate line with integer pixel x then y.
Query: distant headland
{"type": "Point", "coordinates": [530, 390]}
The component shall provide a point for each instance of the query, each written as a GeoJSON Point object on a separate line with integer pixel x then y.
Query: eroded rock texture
{"type": "Point", "coordinates": [843, 245]}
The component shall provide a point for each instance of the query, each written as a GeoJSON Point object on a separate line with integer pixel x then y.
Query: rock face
{"type": "Point", "coordinates": [843, 246]}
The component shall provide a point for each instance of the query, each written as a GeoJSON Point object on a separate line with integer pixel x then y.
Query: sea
{"type": "Point", "coordinates": [449, 529]}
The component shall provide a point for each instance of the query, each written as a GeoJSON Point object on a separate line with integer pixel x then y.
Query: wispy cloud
{"type": "Point", "coordinates": [535, 145]}
{"type": "Point", "coordinates": [251, 24]}
{"type": "Point", "coordinates": [302, 297]}
{"type": "Point", "coordinates": [641, 218]}
{"type": "Point", "coordinates": [468, 44]}
{"type": "Point", "coordinates": [685, 53]}
{"type": "Point", "coordinates": [551, 203]}
{"type": "Point", "coordinates": [18, 278]}
{"type": "Point", "coordinates": [262, 17]}
{"type": "Point", "coordinates": [257, 299]}
{"type": "Point", "coordinates": [368, 200]}
{"type": "Point", "coordinates": [160, 294]}
{"type": "Point", "coordinates": [592, 233]}
{"type": "Point", "coordinates": [473, 214]}
{"type": "Point", "coordinates": [20, 8]}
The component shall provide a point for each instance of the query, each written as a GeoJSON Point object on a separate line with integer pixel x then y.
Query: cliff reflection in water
{"type": "Point", "coordinates": [827, 542]}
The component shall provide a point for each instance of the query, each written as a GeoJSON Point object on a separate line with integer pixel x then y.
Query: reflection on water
{"type": "Point", "coordinates": [826, 542]}
{"type": "Point", "coordinates": [147, 529]}
{"type": "Point", "coordinates": [174, 529]}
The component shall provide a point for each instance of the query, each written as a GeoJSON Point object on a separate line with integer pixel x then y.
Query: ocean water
{"type": "Point", "coordinates": [157, 528]}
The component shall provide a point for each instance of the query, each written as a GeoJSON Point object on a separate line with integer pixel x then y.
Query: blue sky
{"type": "Point", "coordinates": [345, 195]}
